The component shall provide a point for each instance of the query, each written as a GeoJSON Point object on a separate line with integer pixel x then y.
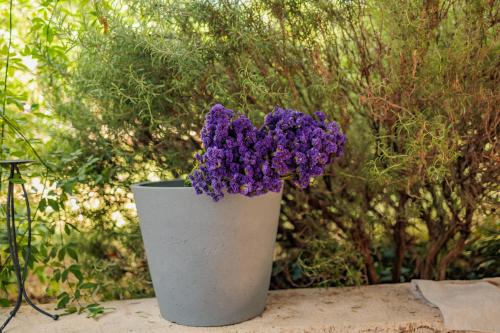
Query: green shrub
{"type": "Point", "coordinates": [413, 84]}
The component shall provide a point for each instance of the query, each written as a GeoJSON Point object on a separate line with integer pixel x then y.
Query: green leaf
{"type": "Point", "coordinates": [88, 285]}
{"type": "Point", "coordinates": [67, 230]}
{"type": "Point", "coordinates": [17, 180]}
{"type": "Point", "coordinates": [72, 253]}
{"type": "Point", "coordinates": [71, 309]}
{"type": "Point", "coordinates": [75, 269]}
{"type": "Point", "coordinates": [61, 254]}
{"type": "Point", "coordinates": [57, 275]}
{"type": "Point", "coordinates": [95, 310]}
{"type": "Point", "coordinates": [64, 276]}
{"type": "Point", "coordinates": [53, 252]}
{"type": "Point", "coordinates": [4, 303]}
{"type": "Point", "coordinates": [42, 205]}
{"type": "Point", "coordinates": [54, 204]}
{"type": "Point", "coordinates": [63, 301]}
{"type": "Point", "coordinates": [68, 187]}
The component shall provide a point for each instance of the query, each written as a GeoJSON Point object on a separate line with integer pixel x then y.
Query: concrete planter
{"type": "Point", "coordinates": [210, 262]}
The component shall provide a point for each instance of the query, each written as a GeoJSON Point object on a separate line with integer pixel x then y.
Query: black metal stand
{"type": "Point", "coordinates": [13, 246]}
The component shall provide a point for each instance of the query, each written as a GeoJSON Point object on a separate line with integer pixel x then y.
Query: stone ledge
{"type": "Point", "coordinates": [380, 308]}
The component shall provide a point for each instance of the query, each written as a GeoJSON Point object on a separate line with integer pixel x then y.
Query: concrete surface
{"type": "Point", "coordinates": [381, 309]}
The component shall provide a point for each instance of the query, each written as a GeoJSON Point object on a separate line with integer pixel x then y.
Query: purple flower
{"type": "Point", "coordinates": [305, 145]}
{"type": "Point", "coordinates": [240, 158]}
{"type": "Point", "coordinates": [235, 159]}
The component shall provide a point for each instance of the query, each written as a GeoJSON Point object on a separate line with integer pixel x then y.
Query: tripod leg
{"type": "Point", "coordinates": [10, 215]}
{"type": "Point", "coordinates": [14, 251]}
{"type": "Point", "coordinates": [28, 254]}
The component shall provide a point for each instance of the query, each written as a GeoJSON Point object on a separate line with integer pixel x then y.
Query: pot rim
{"type": "Point", "coordinates": [162, 184]}
{"type": "Point", "coordinates": [174, 184]}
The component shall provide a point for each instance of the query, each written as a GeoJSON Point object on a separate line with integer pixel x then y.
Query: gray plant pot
{"type": "Point", "coordinates": [210, 262]}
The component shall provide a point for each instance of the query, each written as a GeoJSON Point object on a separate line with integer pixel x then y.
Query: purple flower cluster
{"type": "Point", "coordinates": [236, 157]}
{"type": "Point", "coordinates": [303, 145]}
{"type": "Point", "coordinates": [241, 158]}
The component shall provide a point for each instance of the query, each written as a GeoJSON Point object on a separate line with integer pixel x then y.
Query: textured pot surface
{"type": "Point", "coordinates": [210, 262]}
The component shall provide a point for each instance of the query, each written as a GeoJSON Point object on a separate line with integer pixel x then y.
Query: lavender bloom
{"type": "Point", "coordinates": [305, 145]}
{"type": "Point", "coordinates": [240, 158]}
{"type": "Point", "coordinates": [235, 159]}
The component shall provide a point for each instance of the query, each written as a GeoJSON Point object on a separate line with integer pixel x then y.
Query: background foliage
{"type": "Point", "coordinates": [107, 93]}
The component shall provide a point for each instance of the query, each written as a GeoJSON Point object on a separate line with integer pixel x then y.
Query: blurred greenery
{"type": "Point", "coordinates": [107, 93]}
